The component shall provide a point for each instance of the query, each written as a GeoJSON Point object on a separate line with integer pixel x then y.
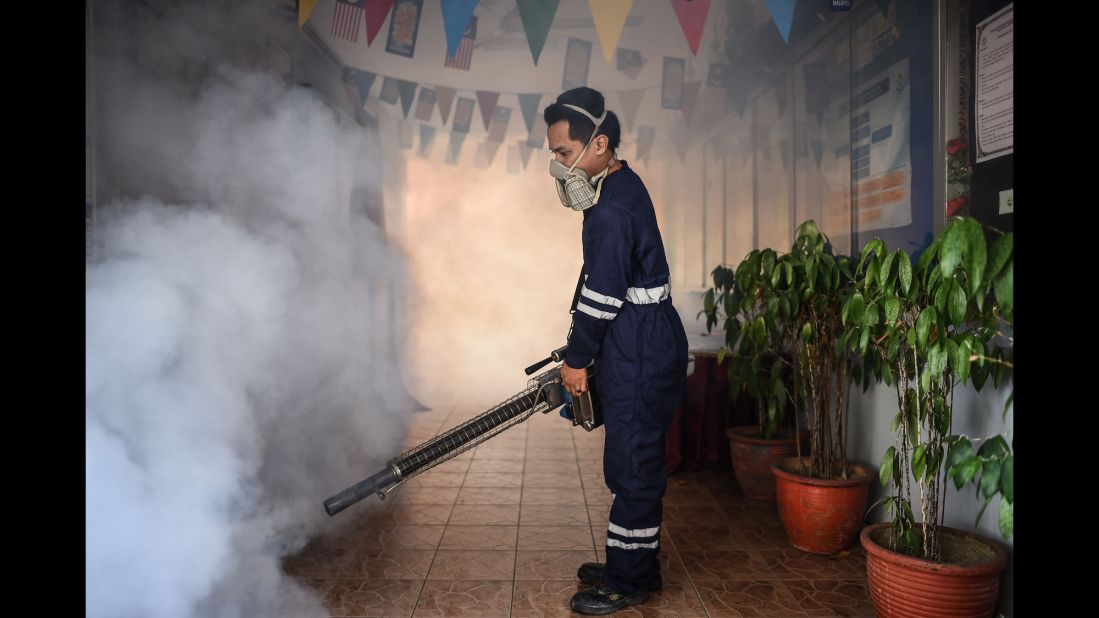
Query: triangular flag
{"type": "Point", "coordinates": [405, 134]}
{"type": "Point", "coordinates": [487, 101]}
{"type": "Point", "coordinates": [499, 127]}
{"type": "Point", "coordinates": [780, 96]}
{"type": "Point", "coordinates": [679, 139]}
{"type": "Point", "coordinates": [445, 97]}
{"type": "Point", "coordinates": [645, 138]}
{"type": "Point", "coordinates": [427, 139]}
{"type": "Point", "coordinates": [610, 16]}
{"type": "Point", "coordinates": [690, 97]}
{"type": "Point", "coordinates": [407, 90]}
{"type": "Point", "coordinates": [389, 91]}
{"type": "Point", "coordinates": [305, 8]}
{"type": "Point", "coordinates": [513, 159]}
{"type": "Point", "coordinates": [816, 88]}
{"type": "Point", "coordinates": [761, 135]}
{"type": "Point", "coordinates": [692, 18]}
{"type": "Point", "coordinates": [376, 12]}
{"type": "Point", "coordinates": [717, 146]}
{"type": "Point", "coordinates": [425, 106]}
{"type": "Point", "coordinates": [480, 160]}
{"type": "Point", "coordinates": [537, 135]}
{"type": "Point", "coordinates": [782, 12]}
{"type": "Point", "coordinates": [492, 148]}
{"type": "Point", "coordinates": [524, 152]}
{"type": "Point", "coordinates": [818, 150]}
{"type": "Point", "coordinates": [528, 104]}
{"type": "Point", "coordinates": [736, 91]}
{"type": "Point", "coordinates": [630, 100]}
{"type": "Point", "coordinates": [456, 14]}
{"type": "Point", "coordinates": [363, 81]}
{"type": "Point", "coordinates": [454, 149]}
{"type": "Point", "coordinates": [358, 85]}
{"type": "Point", "coordinates": [714, 106]}
{"type": "Point", "coordinates": [537, 17]}
{"type": "Point", "coordinates": [629, 62]}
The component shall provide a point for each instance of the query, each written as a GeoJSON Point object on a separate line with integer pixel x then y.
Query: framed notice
{"type": "Point", "coordinates": [403, 27]}
{"type": "Point", "coordinates": [577, 59]}
{"type": "Point", "coordinates": [671, 86]}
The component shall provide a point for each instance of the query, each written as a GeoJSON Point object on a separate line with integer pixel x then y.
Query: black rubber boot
{"type": "Point", "coordinates": [600, 599]}
{"type": "Point", "coordinates": [591, 572]}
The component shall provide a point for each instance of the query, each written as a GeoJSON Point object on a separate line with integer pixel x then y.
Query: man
{"type": "Point", "coordinates": [624, 325]}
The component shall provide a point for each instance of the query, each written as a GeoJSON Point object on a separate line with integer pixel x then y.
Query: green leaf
{"type": "Point", "coordinates": [867, 250]}
{"type": "Point", "coordinates": [1007, 478]}
{"type": "Point", "coordinates": [895, 424]}
{"type": "Point", "coordinates": [990, 478]}
{"type": "Point", "coordinates": [957, 303]}
{"type": "Point", "coordinates": [790, 274]}
{"type": "Point", "coordinates": [1007, 518]}
{"type": "Point", "coordinates": [960, 450]}
{"type": "Point", "coordinates": [1007, 404]}
{"type": "Point", "coordinates": [928, 254]}
{"type": "Point", "coordinates": [961, 360]}
{"type": "Point", "coordinates": [857, 308]}
{"type": "Point", "coordinates": [871, 317]}
{"type": "Point", "coordinates": [923, 326]}
{"type": "Point", "coordinates": [937, 359]}
{"type": "Point", "coordinates": [721, 354]}
{"type": "Point", "coordinates": [708, 301]}
{"type": "Point", "coordinates": [871, 274]}
{"type": "Point", "coordinates": [998, 254]}
{"type": "Point", "coordinates": [964, 474]}
{"type": "Point", "coordinates": [806, 332]}
{"type": "Point", "coordinates": [904, 270]}
{"type": "Point", "coordinates": [776, 275]}
{"type": "Point", "coordinates": [919, 461]}
{"type": "Point", "coordinates": [864, 340]}
{"type": "Point", "coordinates": [995, 447]}
{"type": "Point", "coordinates": [1004, 288]}
{"type": "Point", "coordinates": [886, 471]}
{"type": "Point", "coordinates": [976, 251]}
{"type": "Point", "coordinates": [768, 258]}
{"type": "Point", "coordinates": [759, 331]}
{"type": "Point", "coordinates": [892, 310]}
{"type": "Point", "coordinates": [886, 269]}
{"type": "Point", "coordinates": [953, 249]}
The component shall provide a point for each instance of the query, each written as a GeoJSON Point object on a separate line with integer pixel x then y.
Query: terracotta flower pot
{"type": "Point", "coordinates": [821, 516]}
{"type": "Point", "coordinates": [902, 586]}
{"type": "Point", "coordinates": [752, 458]}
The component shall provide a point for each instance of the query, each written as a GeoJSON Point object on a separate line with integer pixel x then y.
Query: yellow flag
{"type": "Point", "coordinates": [305, 7]}
{"type": "Point", "coordinates": [610, 16]}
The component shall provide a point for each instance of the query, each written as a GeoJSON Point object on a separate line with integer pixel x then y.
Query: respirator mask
{"type": "Point", "coordinates": [575, 189]}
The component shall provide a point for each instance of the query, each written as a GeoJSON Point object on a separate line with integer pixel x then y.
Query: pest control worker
{"type": "Point", "coordinates": [625, 326]}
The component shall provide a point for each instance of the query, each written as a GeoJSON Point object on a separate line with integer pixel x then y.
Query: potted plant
{"type": "Point", "coordinates": [928, 330]}
{"type": "Point", "coordinates": [757, 335]}
{"type": "Point", "coordinates": [821, 497]}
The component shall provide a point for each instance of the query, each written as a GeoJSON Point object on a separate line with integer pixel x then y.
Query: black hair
{"type": "Point", "coordinates": [580, 126]}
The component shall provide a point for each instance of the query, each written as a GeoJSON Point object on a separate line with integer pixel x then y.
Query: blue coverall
{"type": "Point", "coordinates": [625, 322]}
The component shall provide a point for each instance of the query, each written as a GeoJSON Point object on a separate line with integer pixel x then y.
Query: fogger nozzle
{"type": "Point", "coordinates": [358, 491]}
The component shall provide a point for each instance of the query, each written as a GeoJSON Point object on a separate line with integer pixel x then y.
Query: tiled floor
{"type": "Point", "coordinates": [500, 531]}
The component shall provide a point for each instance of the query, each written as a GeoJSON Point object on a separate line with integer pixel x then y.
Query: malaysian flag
{"type": "Point", "coordinates": [462, 57]}
{"type": "Point", "coordinates": [346, 18]}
